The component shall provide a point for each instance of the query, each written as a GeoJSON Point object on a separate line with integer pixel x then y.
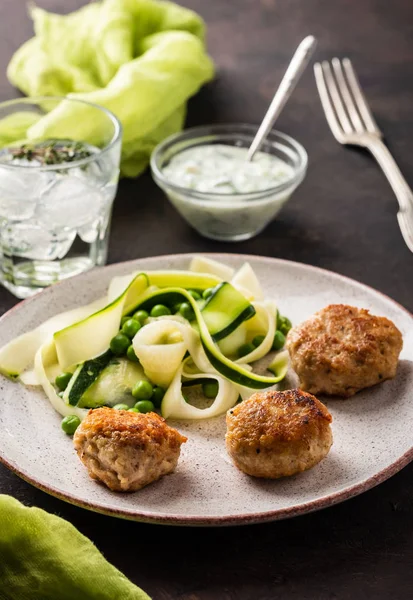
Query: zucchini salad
{"type": "Point", "coordinates": [154, 336]}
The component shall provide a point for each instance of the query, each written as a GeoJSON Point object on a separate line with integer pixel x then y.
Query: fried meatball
{"type": "Point", "coordinates": [127, 450]}
{"type": "Point", "coordinates": [342, 349]}
{"type": "Point", "coordinates": [276, 434]}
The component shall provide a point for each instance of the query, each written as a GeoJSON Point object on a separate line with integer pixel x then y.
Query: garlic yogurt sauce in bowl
{"type": "Point", "coordinates": [205, 175]}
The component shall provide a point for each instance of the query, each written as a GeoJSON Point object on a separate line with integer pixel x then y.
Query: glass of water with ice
{"type": "Point", "coordinates": [59, 169]}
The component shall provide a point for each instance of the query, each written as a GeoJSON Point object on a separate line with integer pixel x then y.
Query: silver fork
{"type": "Point", "coordinates": [351, 122]}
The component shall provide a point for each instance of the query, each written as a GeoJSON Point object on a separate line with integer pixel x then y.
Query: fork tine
{"type": "Point", "coordinates": [346, 95]}
{"type": "Point", "coordinates": [408, 213]}
{"type": "Point", "coordinates": [405, 224]}
{"type": "Point", "coordinates": [360, 98]}
{"type": "Point", "coordinates": [326, 103]}
{"type": "Point", "coordinates": [336, 98]}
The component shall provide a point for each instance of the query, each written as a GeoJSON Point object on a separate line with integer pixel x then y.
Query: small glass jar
{"type": "Point", "coordinates": [229, 217]}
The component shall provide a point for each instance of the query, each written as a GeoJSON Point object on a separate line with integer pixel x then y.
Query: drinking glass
{"type": "Point", "coordinates": [59, 170]}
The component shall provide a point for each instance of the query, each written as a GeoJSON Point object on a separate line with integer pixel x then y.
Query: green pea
{"type": "Point", "coordinates": [207, 293]}
{"type": "Point", "coordinates": [186, 311]}
{"type": "Point", "coordinates": [131, 328]}
{"type": "Point", "coordinates": [130, 354]}
{"type": "Point", "coordinates": [145, 406]}
{"type": "Point", "coordinates": [245, 349]}
{"type": "Point", "coordinates": [159, 310]}
{"type": "Point", "coordinates": [157, 396]}
{"type": "Point", "coordinates": [70, 424]}
{"type": "Point", "coordinates": [120, 407]}
{"type": "Point", "coordinates": [119, 344]}
{"type": "Point", "coordinates": [258, 340]}
{"type": "Point", "coordinates": [176, 307]}
{"type": "Point", "coordinates": [141, 316]}
{"type": "Point", "coordinates": [195, 295]}
{"type": "Point", "coordinates": [278, 319]}
{"type": "Point", "coordinates": [123, 320]}
{"type": "Point", "coordinates": [285, 325]}
{"type": "Point", "coordinates": [135, 410]}
{"type": "Point", "coordinates": [62, 380]}
{"type": "Point", "coordinates": [279, 341]}
{"type": "Point", "coordinates": [142, 390]}
{"type": "Point", "coordinates": [210, 389]}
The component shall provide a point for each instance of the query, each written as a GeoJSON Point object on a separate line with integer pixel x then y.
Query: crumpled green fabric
{"type": "Point", "coordinates": [141, 59]}
{"type": "Point", "coordinates": [43, 557]}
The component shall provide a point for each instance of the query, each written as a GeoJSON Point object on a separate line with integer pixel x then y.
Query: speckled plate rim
{"type": "Point", "coordinates": [239, 519]}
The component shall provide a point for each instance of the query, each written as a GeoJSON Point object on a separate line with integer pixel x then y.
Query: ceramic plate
{"type": "Point", "coordinates": [372, 431]}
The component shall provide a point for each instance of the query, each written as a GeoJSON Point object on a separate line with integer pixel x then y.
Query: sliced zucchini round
{"type": "Point", "coordinates": [84, 376]}
{"type": "Point", "coordinates": [113, 385]}
{"type": "Point", "coordinates": [225, 310]}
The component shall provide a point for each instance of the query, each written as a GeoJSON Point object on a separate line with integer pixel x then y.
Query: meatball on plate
{"type": "Point", "coordinates": [127, 450]}
{"type": "Point", "coordinates": [342, 349]}
{"type": "Point", "coordinates": [276, 434]}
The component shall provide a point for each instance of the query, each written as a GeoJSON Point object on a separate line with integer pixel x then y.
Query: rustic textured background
{"type": "Point", "coordinates": [342, 218]}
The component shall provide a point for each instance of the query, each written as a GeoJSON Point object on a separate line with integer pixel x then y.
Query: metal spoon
{"type": "Point", "coordinates": [295, 69]}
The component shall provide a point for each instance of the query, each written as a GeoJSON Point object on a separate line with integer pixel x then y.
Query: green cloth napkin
{"type": "Point", "coordinates": [141, 59]}
{"type": "Point", "coordinates": [43, 557]}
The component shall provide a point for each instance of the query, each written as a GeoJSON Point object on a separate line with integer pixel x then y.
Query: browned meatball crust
{"type": "Point", "coordinates": [276, 434]}
{"type": "Point", "coordinates": [127, 450]}
{"type": "Point", "coordinates": [342, 349]}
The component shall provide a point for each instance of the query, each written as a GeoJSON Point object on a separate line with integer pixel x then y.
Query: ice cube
{"type": "Point", "coordinates": [62, 244]}
{"type": "Point", "coordinates": [19, 191]}
{"type": "Point", "coordinates": [91, 172]}
{"type": "Point", "coordinates": [34, 242]}
{"type": "Point", "coordinates": [88, 233]}
{"type": "Point", "coordinates": [70, 202]}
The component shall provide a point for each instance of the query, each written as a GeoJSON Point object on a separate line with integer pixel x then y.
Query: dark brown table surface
{"type": "Point", "coordinates": [342, 218]}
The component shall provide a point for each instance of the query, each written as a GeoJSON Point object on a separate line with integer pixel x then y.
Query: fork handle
{"type": "Point", "coordinates": [400, 186]}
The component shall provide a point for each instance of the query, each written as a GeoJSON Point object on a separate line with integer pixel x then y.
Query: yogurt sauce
{"type": "Point", "coordinates": [223, 169]}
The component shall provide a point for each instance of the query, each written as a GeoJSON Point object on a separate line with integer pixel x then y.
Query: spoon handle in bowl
{"type": "Point", "coordinates": [293, 73]}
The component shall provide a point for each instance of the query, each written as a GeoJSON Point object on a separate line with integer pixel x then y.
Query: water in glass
{"type": "Point", "coordinates": [54, 223]}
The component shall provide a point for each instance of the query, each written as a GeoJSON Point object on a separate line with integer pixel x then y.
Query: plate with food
{"type": "Point", "coordinates": [206, 390]}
